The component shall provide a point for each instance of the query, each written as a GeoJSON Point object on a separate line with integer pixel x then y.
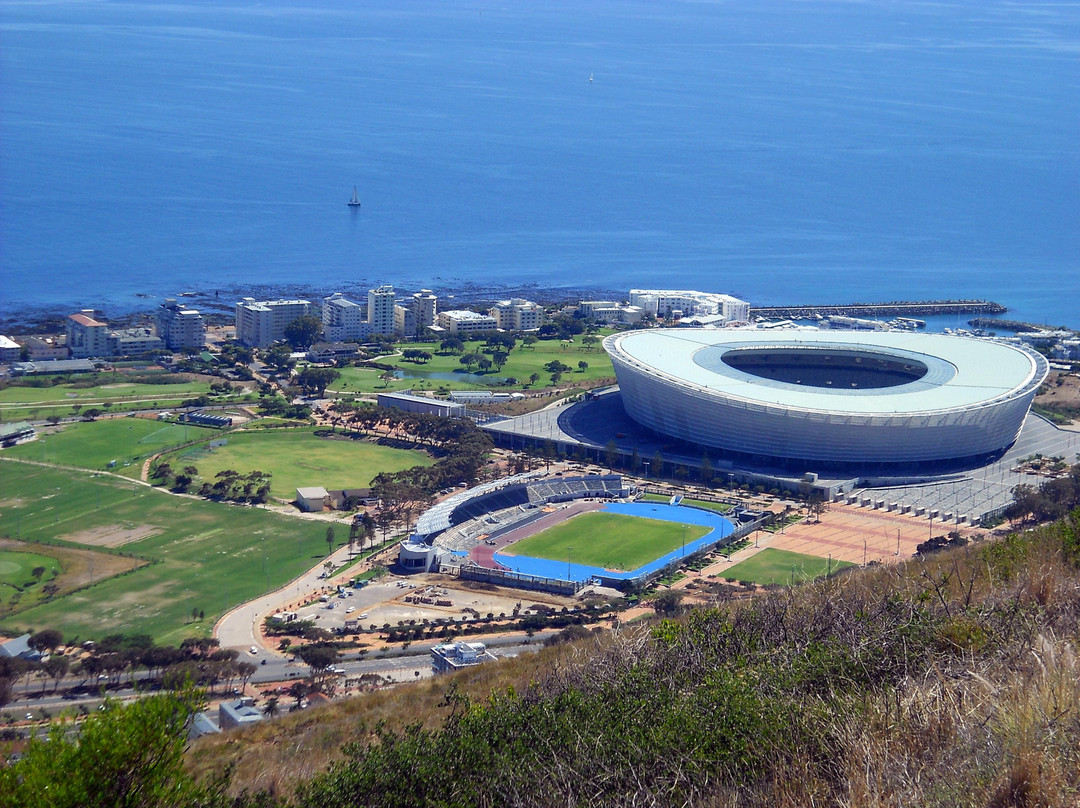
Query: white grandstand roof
{"type": "Point", "coordinates": [961, 371]}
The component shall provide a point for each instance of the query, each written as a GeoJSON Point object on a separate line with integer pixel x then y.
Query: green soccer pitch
{"type": "Point", "coordinates": [608, 540]}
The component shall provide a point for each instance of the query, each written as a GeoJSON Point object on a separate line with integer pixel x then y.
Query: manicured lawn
{"type": "Point", "coordinates": [16, 575]}
{"type": "Point", "coordinates": [93, 445]}
{"type": "Point", "coordinates": [450, 373]}
{"type": "Point", "coordinates": [608, 540]}
{"type": "Point", "coordinates": [772, 566]}
{"type": "Point", "coordinates": [297, 458]}
{"type": "Point", "coordinates": [206, 556]}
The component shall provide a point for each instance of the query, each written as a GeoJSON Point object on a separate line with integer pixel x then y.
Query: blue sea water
{"type": "Point", "coordinates": [787, 152]}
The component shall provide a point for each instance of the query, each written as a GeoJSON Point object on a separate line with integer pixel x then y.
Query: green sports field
{"type": "Point", "coordinates": [298, 458]}
{"type": "Point", "coordinates": [96, 444]}
{"type": "Point", "coordinates": [608, 540]}
{"type": "Point", "coordinates": [772, 566]}
{"type": "Point", "coordinates": [204, 555]}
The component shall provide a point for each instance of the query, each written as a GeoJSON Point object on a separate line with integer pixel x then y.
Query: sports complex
{"type": "Point", "coordinates": [560, 533]}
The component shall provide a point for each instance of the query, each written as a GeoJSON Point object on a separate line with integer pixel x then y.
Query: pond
{"type": "Point", "coordinates": [452, 376]}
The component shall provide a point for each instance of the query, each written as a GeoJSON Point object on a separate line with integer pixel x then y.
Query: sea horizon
{"type": "Point", "coordinates": [810, 153]}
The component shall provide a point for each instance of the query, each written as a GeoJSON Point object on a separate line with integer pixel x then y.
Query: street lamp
{"type": "Point", "coordinates": [569, 551]}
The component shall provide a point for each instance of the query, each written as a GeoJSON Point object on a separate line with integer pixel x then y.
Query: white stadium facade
{"type": "Point", "coordinates": [829, 397]}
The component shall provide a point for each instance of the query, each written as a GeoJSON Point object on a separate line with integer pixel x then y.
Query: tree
{"type": "Point", "coordinates": [583, 366]}
{"type": "Point", "coordinates": [668, 603]}
{"type": "Point", "coordinates": [330, 539]}
{"type": "Point", "coordinates": [303, 332]}
{"type": "Point", "coordinates": [529, 341]}
{"type": "Point", "coordinates": [124, 756]}
{"type": "Point", "coordinates": [534, 378]}
{"type": "Point", "coordinates": [314, 381]}
{"type": "Point", "coordinates": [271, 708]}
{"type": "Point", "coordinates": [589, 341]}
{"type": "Point", "coordinates": [91, 414]}
{"type": "Point", "coordinates": [452, 345]}
{"type": "Point", "coordinates": [318, 657]}
{"type": "Point", "coordinates": [37, 572]}
{"type": "Point", "coordinates": [46, 641]}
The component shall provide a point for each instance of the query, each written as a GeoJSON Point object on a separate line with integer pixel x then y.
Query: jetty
{"type": "Point", "coordinates": [894, 309]}
{"type": "Point", "coordinates": [1004, 325]}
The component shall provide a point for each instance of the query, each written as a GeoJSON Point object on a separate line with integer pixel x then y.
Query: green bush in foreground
{"type": "Point", "coordinates": [121, 757]}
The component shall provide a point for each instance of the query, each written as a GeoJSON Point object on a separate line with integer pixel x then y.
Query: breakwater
{"type": "Point", "coordinates": [1004, 325]}
{"type": "Point", "coordinates": [894, 309]}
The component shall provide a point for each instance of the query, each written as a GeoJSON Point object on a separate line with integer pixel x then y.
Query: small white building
{"type": "Point", "coordinates": [453, 656]}
{"type": "Point", "coordinates": [312, 500]}
{"type": "Point", "coordinates": [239, 713]}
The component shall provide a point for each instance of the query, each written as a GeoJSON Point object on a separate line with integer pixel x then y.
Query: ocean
{"type": "Point", "coordinates": [785, 152]}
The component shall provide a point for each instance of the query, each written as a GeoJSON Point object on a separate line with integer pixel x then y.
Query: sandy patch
{"type": "Point", "coordinates": [112, 535]}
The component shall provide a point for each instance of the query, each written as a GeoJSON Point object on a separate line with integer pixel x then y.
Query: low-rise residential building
{"type": "Point", "coordinates": [610, 311]}
{"type": "Point", "coordinates": [180, 327]}
{"type": "Point", "coordinates": [134, 341]}
{"type": "Point", "coordinates": [453, 656]}
{"type": "Point", "coordinates": [462, 321]}
{"type": "Point", "coordinates": [260, 323]}
{"type": "Point", "coordinates": [674, 303]}
{"type": "Point", "coordinates": [87, 336]}
{"type": "Point", "coordinates": [517, 314]}
{"type": "Point", "coordinates": [40, 349]}
{"type": "Point", "coordinates": [10, 350]}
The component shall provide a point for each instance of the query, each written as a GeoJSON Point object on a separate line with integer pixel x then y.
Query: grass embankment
{"type": "Point", "coordinates": [772, 566]}
{"type": "Point", "coordinates": [94, 445]}
{"type": "Point", "coordinates": [608, 540]}
{"type": "Point", "coordinates": [203, 555]}
{"type": "Point", "coordinates": [298, 458]}
{"type": "Point", "coordinates": [719, 507]}
{"type": "Point", "coordinates": [944, 682]}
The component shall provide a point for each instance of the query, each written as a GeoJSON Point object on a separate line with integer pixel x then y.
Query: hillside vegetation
{"type": "Point", "coordinates": [945, 681]}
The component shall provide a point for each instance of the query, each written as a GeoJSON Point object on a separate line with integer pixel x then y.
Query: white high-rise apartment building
{"type": "Point", "coordinates": [262, 322]}
{"type": "Point", "coordinates": [517, 315]}
{"type": "Point", "coordinates": [380, 310]}
{"type": "Point", "coordinates": [343, 319]}
{"type": "Point", "coordinates": [180, 327]}
{"type": "Point", "coordinates": [425, 308]}
{"type": "Point", "coordinates": [86, 336]}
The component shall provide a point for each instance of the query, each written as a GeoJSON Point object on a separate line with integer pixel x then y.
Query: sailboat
{"type": "Point", "coordinates": [355, 201]}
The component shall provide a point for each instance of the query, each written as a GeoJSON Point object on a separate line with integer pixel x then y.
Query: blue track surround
{"type": "Point", "coordinates": [680, 514]}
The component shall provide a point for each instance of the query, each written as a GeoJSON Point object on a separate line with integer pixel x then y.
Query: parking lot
{"type": "Point", "coordinates": [419, 598]}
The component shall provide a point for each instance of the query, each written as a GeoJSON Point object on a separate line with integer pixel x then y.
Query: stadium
{"type": "Point", "coordinates": [844, 399]}
{"type": "Point", "coordinates": [478, 534]}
